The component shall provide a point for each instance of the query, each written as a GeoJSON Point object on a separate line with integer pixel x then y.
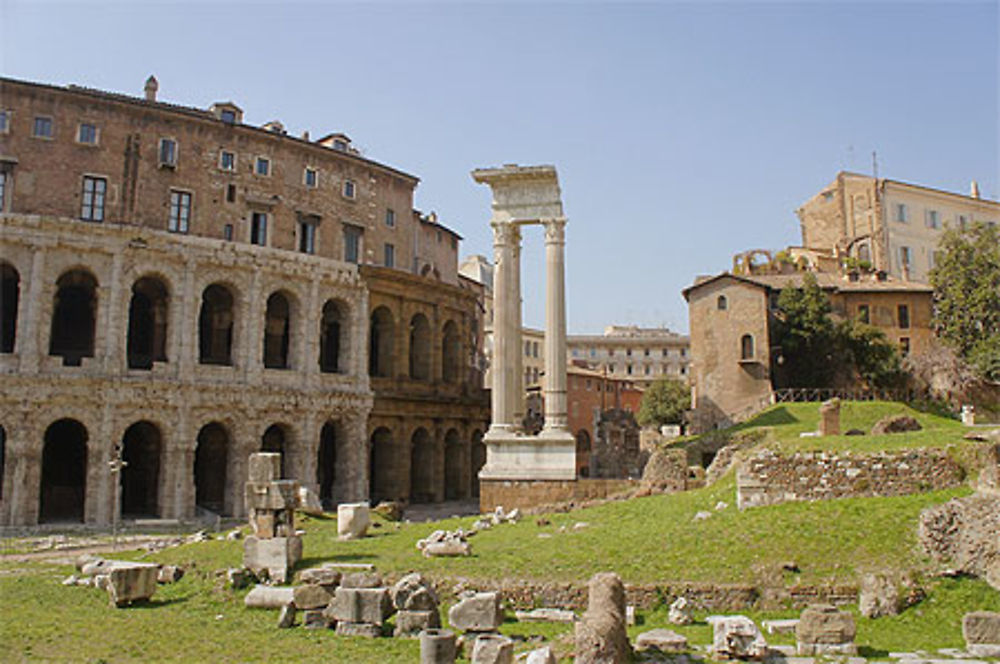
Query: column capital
{"type": "Point", "coordinates": [555, 230]}
{"type": "Point", "coordinates": [505, 234]}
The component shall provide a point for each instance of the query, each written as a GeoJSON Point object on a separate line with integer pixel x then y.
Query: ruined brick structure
{"type": "Point", "coordinates": [184, 289]}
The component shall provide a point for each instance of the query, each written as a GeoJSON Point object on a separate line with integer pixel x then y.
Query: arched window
{"type": "Point", "coordinates": [140, 476]}
{"type": "Point", "coordinates": [421, 467]}
{"type": "Point", "coordinates": [331, 343]}
{"type": "Point", "coordinates": [215, 326]}
{"type": "Point", "coordinates": [73, 317]}
{"type": "Point", "coordinates": [210, 468]}
{"type": "Point", "coordinates": [275, 439]}
{"type": "Point", "coordinates": [864, 253]}
{"type": "Point", "coordinates": [454, 465]}
{"type": "Point", "coordinates": [147, 324]}
{"type": "Point", "coordinates": [277, 332]}
{"type": "Point", "coordinates": [746, 347]}
{"type": "Point", "coordinates": [382, 342]}
{"type": "Point", "coordinates": [420, 348]}
{"type": "Point", "coordinates": [64, 472]}
{"type": "Point", "coordinates": [450, 361]}
{"type": "Point", "coordinates": [722, 303]}
{"type": "Point", "coordinates": [10, 287]}
{"type": "Point", "coordinates": [387, 469]}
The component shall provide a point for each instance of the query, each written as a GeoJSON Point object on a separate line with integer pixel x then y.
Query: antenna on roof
{"type": "Point", "coordinates": [875, 164]}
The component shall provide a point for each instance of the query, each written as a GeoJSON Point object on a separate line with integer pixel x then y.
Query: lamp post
{"type": "Point", "coordinates": [116, 465]}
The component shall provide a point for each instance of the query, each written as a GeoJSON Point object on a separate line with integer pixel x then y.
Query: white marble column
{"type": "Point", "coordinates": [555, 326]}
{"type": "Point", "coordinates": [504, 241]}
{"type": "Point", "coordinates": [518, 385]}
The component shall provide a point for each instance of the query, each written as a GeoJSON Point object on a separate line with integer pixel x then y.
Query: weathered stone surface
{"type": "Point", "coordinates": [315, 619]}
{"type": "Point", "coordinates": [366, 630]}
{"type": "Point", "coordinates": [829, 418]}
{"type": "Point", "coordinates": [681, 612]}
{"type": "Point", "coordinates": [169, 574]}
{"type": "Point", "coordinates": [600, 634]}
{"type": "Point", "coordinates": [492, 649]}
{"type": "Point", "coordinates": [962, 534]}
{"type": "Point", "coordinates": [666, 470]}
{"type": "Point", "coordinates": [663, 640]}
{"type": "Point", "coordinates": [447, 548]}
{"type": "Point", "coordinates": [981, 627]}
{"type": "Point", "coordinates": [780, 626]}
{"type": "Point", "coordinates": [546, 615]}
{"type": "Point", "coordinates": [414, 593]}
{"type": "Point", "coordinates": [135, 582]}
{"type": "Point", "coordinates": [437, 646]}
{"type": "Point", "coordinates": [360, 605]}
{"type": "Point", "coordinates": [361, 579]}
{"type": "Point", "coordinates": [411, 623]}
{"type": "Point", "coordinates": [238, 577]}
{"type": "Point", "coordinates": [878, 596]}
{"type": "Point", "coordinates": [312, 596]}
{"type": "Point", "coordinates": [275, 556]}
{"type": "Point", "coordinates": [263, 467]}
{"type": "Point", "coordinates": [477, 612]}
{"type": "Point", "coordinates": [353, 520]}
{"type": "Point", "coordinates": [895, 424]}
{"type": "Point", "coordinates": [309, 502]}
{"type": "Point", "coordinates": [83, 559]}
{"type": "Point", "coordinates": [273, 495]}
{"type": "Point", "coordinates": [320, 576]}
{"type": "Point", "coordinates": [540, 656]}
{"type": "Point", "coordinates": [825, 630]}
{"type": "Point", "coordinates": [269, 597]}
{"type": "Point", "coordinates": [737, 637]}
{"type": "Point", "coordinates": [286, 618]}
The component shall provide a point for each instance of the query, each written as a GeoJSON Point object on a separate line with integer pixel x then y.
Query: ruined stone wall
{"type": "Point", "coordinates": [615, 452]}
{"type": "Point", "coordinates": [533, 493]}
{"type": "Point", "coordinates": [767, 478]}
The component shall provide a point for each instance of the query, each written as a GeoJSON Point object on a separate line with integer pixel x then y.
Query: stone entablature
{"type": "Point", "coordinates": [767, 478]}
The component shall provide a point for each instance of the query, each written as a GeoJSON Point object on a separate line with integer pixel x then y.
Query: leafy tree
{"type": "Point", "coordinates": [966, 280]}
{"type": "Point", "coordinates": [805, 332]}
{"type": "Point", "coordinates": [869, 355]}
{"type": "Point", "coordinates": [665, 402]}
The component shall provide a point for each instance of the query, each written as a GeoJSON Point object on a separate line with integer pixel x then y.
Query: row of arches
{"type": "Point", "coordinates": [423, 469]}
{"type": "Point", "coordinates": [382, 347]}
{"type": "Point", "coordinates": [74, 323]}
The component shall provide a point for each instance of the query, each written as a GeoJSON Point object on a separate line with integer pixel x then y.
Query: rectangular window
{"type": "Point", "coordinates": [348, 189]}
{"type": "Point", "coordinates": [87, 134]}
{"type": "Point", "coordinates": [645, 351]}
{"type": "Point", "coordinates": [628, 352]}
{"type": "Point", "coordinates": [390, 255]}
{"type": "Point", "coordinates": [4, 122]}
{"type": "Point", "coordinates": [227, 232]}
{"type": "Point", "coordinates": [666, 352]}
{"type": "Point", "coordinates": [932, 218]}
{"type": "Point", "coordinates": [227, 160]}
{"type": "Point", "coordinates": [901, 213]}
{"type": "Point", "coordinates": [262, 166]}
{"type": "Point", "coordinates": [864, 313]}
{"type": "Point", "coordinates": [258, 228]}
{"type": "Point", "coordinates": [903, 313]}
{"type": "Point", "coordinates": [307, 237]}
{"type": "Point", "coordinates": [647, 370]}
{"type": "Point", "coordinates": [527, 349]}
{"type": "Point", "coordinates": [231, 193]}
{"type": "Point", "coordinates": [94, 190]}
{"type": "Point", "coordinates": [310, 177]}
{"type": "Point", "coordinates": [42, 128]}
{"type": "Point", "coordinates": [390, 218]}
{"type": "Point", "coordinates": [180, 211]}
{"type": "Point", "coordinates": [352, 244]}
{"type": "Point", "coordinates": [534, 349]}
{"type": "Point", "coordinates": [904, 345]}
{"type": "Point", "coordinates": [963, 221]}
{"type": "Point", "coordinates": [228, 116]}
{"type": "Point", "coordinates": [168, 152]}
{"type": "Point", "coordinates": [905, 257]}
{"type": "Point", "coordinates": [3, 191]}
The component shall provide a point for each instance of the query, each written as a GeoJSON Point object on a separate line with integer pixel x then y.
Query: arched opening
{"type": "Point", "coordinates": [73, 317]}
{"type": "Point", "coordinates": [331, 327]}
{"type": "Point", "coordinates": [210, 459]}
{"type": "Point", "coordinates": [454, 461]}
{"type": "Point", "coordinates": [147, 324]}
{"type": "Point", "coordinates": [215, 326]}
{"type": "Point", "coordinates": [383, 472]}
{"type": "Point", "coordinates": [583, 453]}
{"type": "Point", "coordinates": [420, 348]}
{"type": "Point", "coordinates": [477, 456]}
{"type": "Point", "coordinates": [326, 464]}
{"type": "Point", "coordinates": [140, 477]}
{"type": "Point", "coordinates": [382, 341]}
{"type": "Point", "coordinates": [3, 457]}
{"type": "Point", "coordinates": [10, 289]}
{"type": "Point", "coordinates": [64, 472]}
{"type": "Point", "coordinates": [864, 254]}
{"type": "Point", "coordinates": [722, 303]}
{"type": "Point", "coordinates": [746, 347]}
{"type": "Point", "coordinates": [274, 440]}
{"type": "Point", "coordinates": [277, 335]}
{"type": "Point", "coordinates": [450, 352]}
{"type": "Point", "coordinates": [421, 467]}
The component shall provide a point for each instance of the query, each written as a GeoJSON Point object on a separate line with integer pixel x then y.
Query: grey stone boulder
{"type": "Point", "coordinates": [362, 579]}
{"type": "Point", "coordinates": [878, 596]}
{"type": "Point", "coordinates": [542, 655]}
{"type": "Point", "coordinates": [477, 612]}
{"type": "Point", "coordinates": [895, 424]}
{"type": "Point", "coordinates": [360, 605]}
{"type": "Point", "coordinates": [681, 612]}
{"type": "Point", "coordinates": [823, 629]}
{"type": "Point", "coordinates": [600, 634]}
{"type": "Point", "coordinates": [353, 520]}
{"type": "Point", "coordinates": [269, 597]}
{"type": "Point", "coordinates": [437, 646]}
{"type": "Point", "coordinates": [315, 619]}
{"type": "Point", "coordinates": [492, 649]}
{"type": "Point", "coordinates": [737, 637]}
{"type": "Point", "coordinates": [169, 574]}
{"type": "Point", "coordinates": [662, 640]}
{"type": "Point", "coordinates": [312, 596]}
{"type": "Point", "coordinates": [414, 593]}
{"type": "Point", "coordinates": [320, 576]}
{"type": "Point", "coordinates": [131, 583]}
{"type": "Point", "coordinates": [411, 623]}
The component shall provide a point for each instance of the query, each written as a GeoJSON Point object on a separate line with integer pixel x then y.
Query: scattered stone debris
{"type": "Point", "coordinates": [286, 618]}
{"type": "Point", "coordinates": [823, 629]}
{"type": "Point", "coordinates": [580, 525]}
{"type": "Point", "coordinates": [390, 510]}
{"type": "Point", "coordinates": [962, 532]}
{"type": "Point", "coordinates": [600, 634]}
{"type": "Point", "coordinates": [681, 612]}
{"type": "Point", "coordinates": [895, 424]}
{"type": "Point", "coordinates": [353, 520]}
{"type": "Point", "coordinates": [701, 516]}
{"type": "Point", "coordinates": [664, 641]}
{"type": "Point", "coordinates": [981, 630]}
{"type": "Point", "coordinates": [445, 543]}
{"type": "Point", "coordinates": [546, 615]}
{"type": "Point", "coordinates": [169, 574]}
{"type": "Point", "coordinates": [721, 505]}
{"type": "Point", "coordinates": [854, 432]}
{"type": "Point", "coordinates": [416, 604]}
{"type": "Point", "coordinates": [239, 577]}
{"type": "Point", "coordinates": [878, 596]}
{"type": "Point", "coordinates": [737, 637]}
{"type": "Point", "coordinates": [476, 612]}
{"type": "Point", "coordinates": [234, 535]}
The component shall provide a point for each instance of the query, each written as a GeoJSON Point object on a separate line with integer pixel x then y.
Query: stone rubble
{"type": "Point", "coordinates": [538, 656]}
{"type": "Point", "coordinates": [681, 612]}
{"type": "Point", "coordinates": [663, 641]}
{"type": "Point", "coordinates": [878, 596]}
{"type": "Point", "coordinates": [275, 547]}
{"type": "Point", "coordinates": [492, 649]}
{"type": "Point", "coordinates": [600, 634]}
{"type": "Point", "coordinates": [737, 637]}
{"type": "Point", "coordinates": [546, 615]}
{"type": "Point", "coordinates": [825, 630]}
{"type": "Point", "coordinates": [445, 543]}
{"type": "Point", "coordinates": [286, 618]}
{"type": "Point", "coordinates": [416, 604]}
{"type": "Point", "coordinates": [353, 520]}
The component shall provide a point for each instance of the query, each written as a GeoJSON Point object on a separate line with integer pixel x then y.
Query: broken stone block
{"type": "Point", "coordinates": [413, 592]}
{"type": "Point", "coordinates": [825, 630]}
{"type": "Point", "coordinates": [437, 646]}
{"type": "Point", "coordinates": [274, 495]}
{"type": "Point", "coordinates": [600, 634]}
{"type": "Point", "coordinates": [82, 560]}
{"type": "Point", "coordinates": [309, 502]}
{"type": "Point", "coordinates": [449, 547]}
{"type": "Point", "coordinates": [237, 577]}
{"type": "Point", "coordinates": [477, 612]}
{"type": "Point", "coordinates": [352, 520]}
{"type": "Point", "coordinates": [663, 640]}
{"type": "Point", "coordinates": [363, 579]}
{"type": "Point", "coordinates": [360, 605]}
{"type": "Point", "coordinates": [169, 574]}
{"type": "Point", "coordinates": [895, 424]}
{"type": "Point", "coordinates": [878, 596]}
{"type": "Point", "coordinates": [492, 649]}
{"type": "Point", "coordinates": [737, 637]}
{"type": "Point", "coordinates": [829, 418]}
{"type": "Point", "coordinates": [366, 630]}
{"type": "Point", "coordinates": [101, 581]}
{"type": "Point", "coordinates": [286, 618]}
{"type": "Point", "coordinates": [411, 623]}
{"type": "Point", "coordinates": [681, 612]}
{"type": "Point", "coordinates": [276, 556]}
{"type": "Point", "coordinates": [312, 596]}
{"type": "Point", "coordinates": [981, 630]}
{"type": "Point", "coordinates": [780, 626]}
{"type": "Point", "coordinates": [264, 467]}
{"type": "Point", "coordinates": [320, 576]}
{"type": "Point", "coordinates": [269, 597]}
{"type": "Point", "coordinates": [314, 619]}
{"type": "Point", "coordinates": [135, 582]}
{"type": "Point", "coordinates": [70, 580]}
{"type": "Point", "coordinates": [546, 615]}
{"type": "Point", "coordinates": [541, 656]}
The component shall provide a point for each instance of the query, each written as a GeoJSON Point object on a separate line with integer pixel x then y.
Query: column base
{"type": "Point", "coordinates": [548, 456]}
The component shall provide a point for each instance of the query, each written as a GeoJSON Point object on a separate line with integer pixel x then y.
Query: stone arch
{"type": "Point", "coordinates": [278, 438]}
{"type": "Point", "coordinates": [454, 466]}
{"type": "Point", "coordinates": [420, 348]}
{"type": "Point", "coordinates": [63, 487]}
{"type": "Point", "coordinates": [386, 469]}
{"type": "Point", "coordinates": [330, 460]}
{"type": "Point", "coordinates": [421, 466]}
{"type": "Point", "coordinates": [477, 459]}
{"type": "Point", "coordinates": [450, 353]}
{"type": "Point", "coordinates": [10, 290]}
{"type": "Point", "coordinates": [210, 466]}
{"type": "Point", "coordinates": [278, 330]}
{"type": "Point", "coordinates": [334, 342]}
{"type": "Point", "coordinates": [142, 445]}
{"type": "Point", "coordinates": [215, 325]}
{"type": "Point", "coordinates": [147, 323]}
{"type": "Point", "coordinates": [74, 317]}
{"type": "Point", "coordinates": [583, 449]}
{"type": "Point", "coordinates": [381, 356]}
{"type": "Point", "coordinates": [746, 347]}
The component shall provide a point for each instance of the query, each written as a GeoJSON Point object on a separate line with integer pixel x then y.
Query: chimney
{"type": "Point", "coordinates": [974, 189]}
{"type": "Point", "coordinates": [151, 87]}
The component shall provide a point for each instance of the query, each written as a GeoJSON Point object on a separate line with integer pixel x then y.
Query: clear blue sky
{"type": "Point", "coordinates": [682, 132]}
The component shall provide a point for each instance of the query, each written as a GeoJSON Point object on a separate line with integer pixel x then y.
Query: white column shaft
{"type": "Point", "coordinates": [555, 326]}
{"type": "Point", "coordinates": [503, 256]}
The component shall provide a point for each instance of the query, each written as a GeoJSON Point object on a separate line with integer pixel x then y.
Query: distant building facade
{"type": "Point", "coordinates": [638, 354]}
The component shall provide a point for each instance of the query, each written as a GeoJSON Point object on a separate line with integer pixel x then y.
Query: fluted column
{"type": "Point", "coordinates": [504, 241]}
{"type": "Point", "coordinates": [555, 326]}
{"type": "Point", "coordinates": [519, 385]}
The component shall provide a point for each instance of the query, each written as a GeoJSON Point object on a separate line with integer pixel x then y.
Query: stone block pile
{"type": "Point", "coordinates": [274, 548]}
{"type": "Point", "coordinates": [124, 581]}
{"type": "Point", "coordinates": [479, 616]}
{"type": "Point", "coordinates": [416, 606]}
{"type": "Point", "coordinates": [445, 543]}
